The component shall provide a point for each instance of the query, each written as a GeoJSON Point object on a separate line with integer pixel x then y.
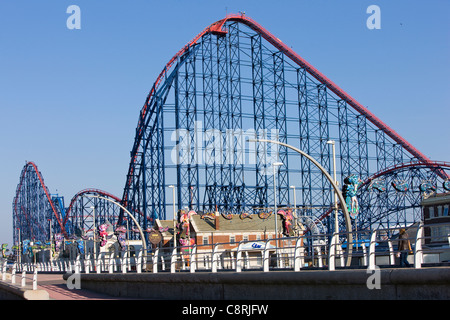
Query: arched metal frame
{"type": "Point", "coordinates": [383, 204]}
{"type": "Point", "coordinates": [395, 206]}
{"type": "Point", "coordinates": [233, 81]}
{"type": "Point", "coordinates": [80, 214]}
{"type": "Point", "coordinates": [129, 214]}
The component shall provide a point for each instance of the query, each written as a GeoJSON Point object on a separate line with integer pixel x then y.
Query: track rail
{"type": "Point", "coordinates": [88, 191]}
{"type": "Point", "coordinates": [217, 28]}
{"type": "Point", "coordinates": [431, 164]}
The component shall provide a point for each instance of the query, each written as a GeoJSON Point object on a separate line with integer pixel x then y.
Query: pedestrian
{"type": "Point", "coordinates": [404, 248]}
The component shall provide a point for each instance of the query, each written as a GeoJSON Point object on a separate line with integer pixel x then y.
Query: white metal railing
{"type": "Point", "coordinates": [327, 251]}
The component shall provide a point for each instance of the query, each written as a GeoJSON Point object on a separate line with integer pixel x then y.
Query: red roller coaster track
{"type": "Point", "coordinates": [216, 28]}
{"type": "Point", "coordinates": [86, 191]}
{"type": "Point", "coordinates": [41, 180]}
{"type": "Point", "coordinates": [431, 164]}
{"type": "Point", "coordinates": [95, 191]}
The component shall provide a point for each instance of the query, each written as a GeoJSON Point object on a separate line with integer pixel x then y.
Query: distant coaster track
{"type": "Point", "coordinates": [34, 210]}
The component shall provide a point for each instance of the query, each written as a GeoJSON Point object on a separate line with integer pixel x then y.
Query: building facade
{"type": "Point", "coordinates": [436, 219]}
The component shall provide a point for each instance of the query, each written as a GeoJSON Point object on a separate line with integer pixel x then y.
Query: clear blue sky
{"type": "Point", "coordinates": [69, 99]}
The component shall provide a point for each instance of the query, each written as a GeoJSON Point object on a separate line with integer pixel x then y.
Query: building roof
{"type": "Point", "coordinates": [162, 225]}
{"type": "Point", "coordinates": [206, 225]}
{"type": "Point", "coordinates": [437, 198]}
{"type": "Point", "coordinates": [252, 224]}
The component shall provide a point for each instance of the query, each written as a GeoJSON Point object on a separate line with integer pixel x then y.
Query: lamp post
{"type": "Point", "coordinates": [295, 205]}
{"type": "Point", "coordinates": [275, 164]}
{"type": "Point", "coordinates": [95, 244]}
{"type": "Point", "coordinates": [51, 243]}
{"type": "Point", "coordinates": [333, 184]}
{"type": "Point", "coordinates": [19, 255]}
{"type": "Point", "coordinates": [174, 217]}
{"type": "Point", "coordinates": [295, 201]}
{"type": "Point", "coordinates": [336, 224]}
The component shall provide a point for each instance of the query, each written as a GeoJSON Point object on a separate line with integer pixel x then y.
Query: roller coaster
{"type": "Point", "coordinates": [234, 81]}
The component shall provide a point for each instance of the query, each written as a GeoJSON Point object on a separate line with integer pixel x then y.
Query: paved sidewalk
{"type": "Point", "coordinates": [56, 286]}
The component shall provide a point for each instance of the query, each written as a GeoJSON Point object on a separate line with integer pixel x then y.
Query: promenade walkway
{"type": "Point", "coordinates": [56, 286]}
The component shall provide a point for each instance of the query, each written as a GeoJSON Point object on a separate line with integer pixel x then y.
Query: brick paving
{"type": "Point", "coordinates": [56, 286]}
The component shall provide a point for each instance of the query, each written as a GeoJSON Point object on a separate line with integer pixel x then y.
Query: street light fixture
{"type": "Point", "coordinates": [275, 164]}
{"type": "Point", "coordinates": [295, 206]}
{"type": "Point", "coordinates": [295, 201]}
{"type": "Point", "coordinates": [174, 217]}
{"type": "Point", "coordinates": [95, 244]}
{"type": "Point", "coordinates": [333, 184]}
{"type": "Point", "coordinates": [336, 224]}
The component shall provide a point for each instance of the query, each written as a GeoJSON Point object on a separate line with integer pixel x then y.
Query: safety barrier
{"type": "Point", "coordinates": [326, 251]}
{"type": "Point", "coordinates": [24, 269]}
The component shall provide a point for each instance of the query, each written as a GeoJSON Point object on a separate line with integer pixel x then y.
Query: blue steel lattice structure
{"type": "Point", "coordinates": [36, 213]}
{"type": "Point", "coordinates": [232, 82]}
{"type": "Point", "coordinates": [236, 81]}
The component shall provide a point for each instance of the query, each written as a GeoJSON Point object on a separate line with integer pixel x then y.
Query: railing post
{"type": "Point", "coordinates": [331, 252]}
{"type": "Point", "coordinates": [4, 271]}
{"type": "Point", "coordinates": [86, 264]}
{"type": "Point", "coordinates": [77, 264]}
{"type": "Point", "coordinates": [266, 255]}
{"type": "Point", "coordinates": [298, 254]}
{"type": "Point", "coordinates": [183, 262]}
{"type": "Point", "coordinates": [214, 258]}
{"type": "Point", "coordinates": [155, 260]}
{"type": "Point", "coordinates": [24, 274]}
{"type": "Point", "coordinates": [391, 253]}
{"type": "Point", "coordinates": [123, 263]}
{"type": "Point", "coordinates": [239, 258]}
{"type": "Point", "coordinates": [98, 263]}
{"type": "Point", "coordinates": [13, 273]}
{"type": "Point", "coordinates": [35, 278]}
{"type": "Point", "coordinates": [163, 263]}
{"type": "Point", "coordinates": [418, 253]}
{"type": "Point", "coordinates": [372, 250]}
{"type": "Point", "coordinates": [340, 252]}
{"type": "Point", "coordinates": [111, 264]}
{"type": "Point", "coordinates": [139, 261]}
{"type": "Point", "coordinates": [193, 259]}
{"type": "Point", "coordinates": [364, 249]}
{"type": "Point", "coordinates": [59, 265]}
{"type": "Point", "coordinates": [144, 260]}
{"type": "Point", "coordinates": [173, 260]}
{"type": "Point", "coordinates": [319, 256]}
{"type": "Point", "coordinates": [131, 259]}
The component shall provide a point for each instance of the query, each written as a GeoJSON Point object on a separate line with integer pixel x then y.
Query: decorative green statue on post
{"type": "Point", "coordinates": [349, 190]}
